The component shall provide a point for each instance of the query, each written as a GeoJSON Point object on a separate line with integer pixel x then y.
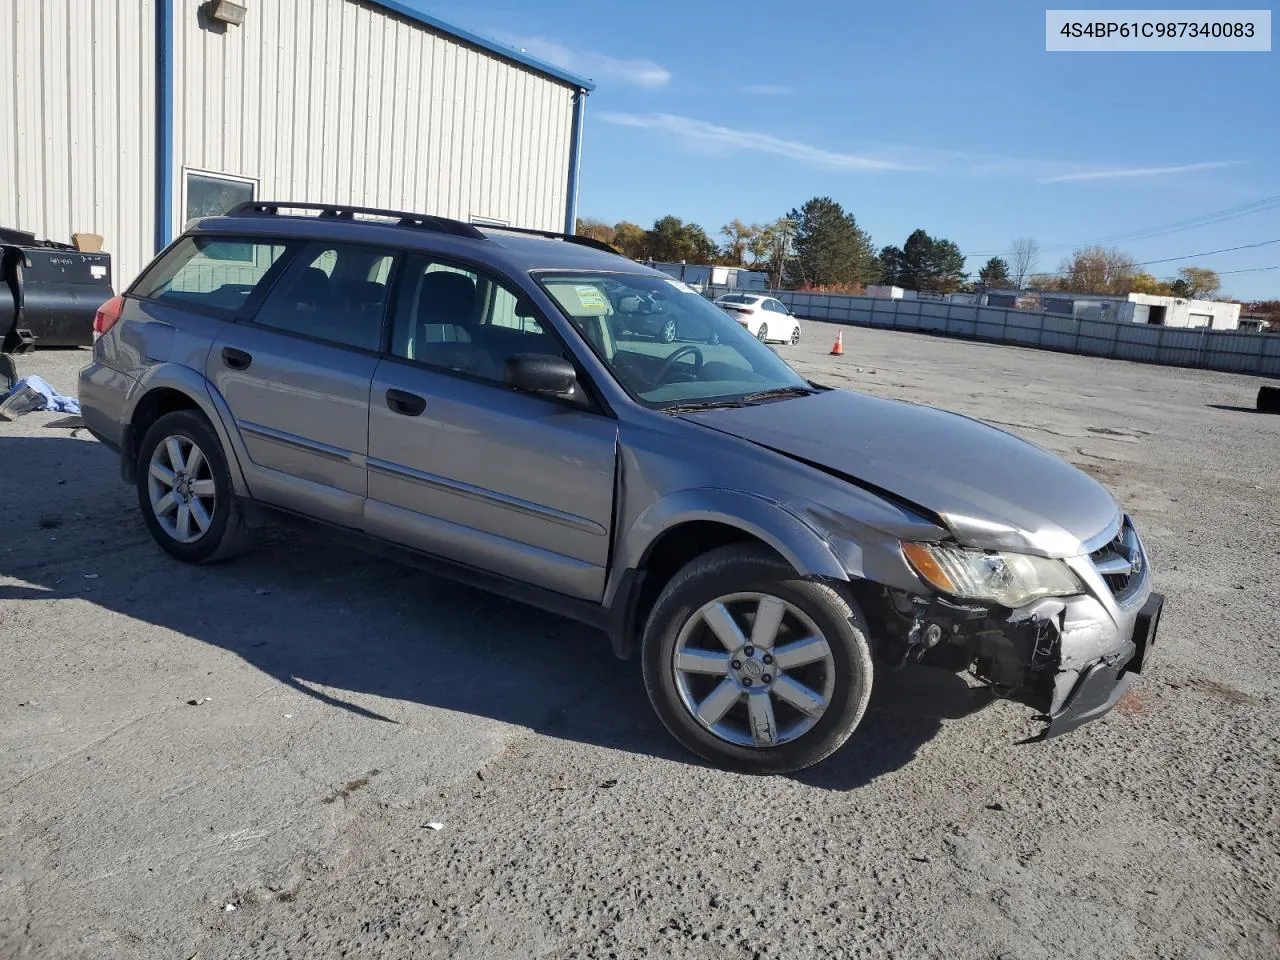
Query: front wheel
{"type": "Point", "coordinates": [754, 668]}
{"type": "Point", "coordinates": [184, 490]}
{"type": "Point", "coordinates": [795, 335]}
{"type": "Point", "coordinates": [668, 332]}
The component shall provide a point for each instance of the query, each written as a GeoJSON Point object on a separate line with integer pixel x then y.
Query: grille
{"type": "Point", "coordinates": [1121, 562]}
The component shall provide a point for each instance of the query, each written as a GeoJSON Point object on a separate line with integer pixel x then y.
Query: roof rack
{"type": "Point", "coordinates": [329, 211]}
{"type": "Point", "coordinates": [552, 234]}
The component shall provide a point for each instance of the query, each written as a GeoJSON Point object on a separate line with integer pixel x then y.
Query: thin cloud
{"type": "Point", "coordinates": [702, 134]}
{"type": "Point", "coordinates": [714, 138]}
{"type": "Point", "coordinates": [590, 63]}
{"type": "Point", "coordinates": [1116, 173]}
{"type": "Point", "coordinates": [767, 90]}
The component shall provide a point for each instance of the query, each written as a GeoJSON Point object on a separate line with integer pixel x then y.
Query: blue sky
{"type": "Point", "coordinates": [951, 117]}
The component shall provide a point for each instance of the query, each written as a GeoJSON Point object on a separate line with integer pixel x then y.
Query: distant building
{"type": "Point", "coordinates": [887, 292]}
{"type": "Point", "coordinates": [700, 275]}
{"type": "Point", "coordinates": [1144, 308]}
{"type": "Point", "coordinates": [1256, 322]}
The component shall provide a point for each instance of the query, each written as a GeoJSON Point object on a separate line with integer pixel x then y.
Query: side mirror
{"type": "Point", "coordinates": [540, 373]}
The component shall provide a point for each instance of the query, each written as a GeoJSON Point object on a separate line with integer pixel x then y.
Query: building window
{"type": "Point", "coordinates": [213, 194]}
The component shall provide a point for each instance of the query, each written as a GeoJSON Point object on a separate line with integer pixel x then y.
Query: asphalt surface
{"type": "Point", "coordinates": [243, 760]}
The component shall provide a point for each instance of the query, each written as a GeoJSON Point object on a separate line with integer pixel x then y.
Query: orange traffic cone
{"type": "Point", "coordinates": [837, 348]}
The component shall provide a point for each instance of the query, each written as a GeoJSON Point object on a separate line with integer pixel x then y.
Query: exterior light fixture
{"type": "Point", "coordinates": [224, 11]}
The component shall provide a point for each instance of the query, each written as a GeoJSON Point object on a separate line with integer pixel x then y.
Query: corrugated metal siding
{"type": "Point", "coordinates": [77, 128]}
{"type": "Point", "coordinates": [332, 101]}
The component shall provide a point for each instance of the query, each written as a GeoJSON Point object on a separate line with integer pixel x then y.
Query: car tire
{"type": "Point", "coordinates": [795, 335]}
{"type": "Point", "coordinates": [8, 373]}
{"type": "Point", "coordinates": [735, 578]}
{"type": "Point", "coordinates": [763, 333]}
{"type": "Point", "coordinates": [667, 332]}
{"type": "Point", "coordinates": [225, 530]}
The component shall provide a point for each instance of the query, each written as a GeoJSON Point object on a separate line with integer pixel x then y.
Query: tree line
{"type": "Point", "coordinates": [820, 246]}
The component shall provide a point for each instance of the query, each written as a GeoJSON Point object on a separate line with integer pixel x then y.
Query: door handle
{"type": "Point", "coordinates": [403, 402]}
{"type": "Point", "coordinates": [236, 359]}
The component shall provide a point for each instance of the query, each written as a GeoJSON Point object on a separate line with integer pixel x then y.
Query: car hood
{"type": "Point", "coordinates": [990, 488]}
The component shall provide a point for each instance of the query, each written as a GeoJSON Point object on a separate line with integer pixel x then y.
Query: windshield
{"type": "Point", "coordinates": [666, 344]}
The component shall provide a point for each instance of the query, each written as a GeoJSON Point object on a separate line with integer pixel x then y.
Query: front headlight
{"type": "Point", "coordinates": [1009, 579]}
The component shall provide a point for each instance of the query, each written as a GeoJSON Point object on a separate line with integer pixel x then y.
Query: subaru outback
{"type": "Point", "coordinates": [464, 398]}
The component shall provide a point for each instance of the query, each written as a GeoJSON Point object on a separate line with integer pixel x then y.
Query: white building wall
{"type": "Point", "coordinates": [1214, 314]}
{"type": "Point", "coordinates": [334, 101]}
{"type": "Point", "coordinates": [77, 123]}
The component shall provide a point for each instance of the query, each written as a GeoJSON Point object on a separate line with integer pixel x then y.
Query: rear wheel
{"type": "Point", "coordinates": [754, 668]}
{"type": "Point", "coordinates": [763, 333]}
{"type": "Point", "coordinates": [184, 490]}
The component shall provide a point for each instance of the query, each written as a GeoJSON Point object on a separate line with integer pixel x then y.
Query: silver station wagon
{"type": "Point", "coordinates": [465, 398]}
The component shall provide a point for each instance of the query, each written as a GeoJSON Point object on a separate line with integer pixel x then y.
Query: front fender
{"type": "Point", "coordinates": [208, 400]}
{"type": "Point", "coordinates": [808, 552]}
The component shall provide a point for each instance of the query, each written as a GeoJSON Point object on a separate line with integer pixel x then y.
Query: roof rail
{"type": "Point", "coordinates": [330, 211]}
{"type": "Point", "coordinates": [555, 235]}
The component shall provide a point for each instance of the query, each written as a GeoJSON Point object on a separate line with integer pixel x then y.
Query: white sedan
{"type": "Point", "coordinates": [765, 318]}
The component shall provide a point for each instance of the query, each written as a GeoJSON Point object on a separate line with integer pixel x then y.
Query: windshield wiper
{"type": "Point", "coordinates": [777, 393]}
{"type": "Point", "coordinates": [694, 405]}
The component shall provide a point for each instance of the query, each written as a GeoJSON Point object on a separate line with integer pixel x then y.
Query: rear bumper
{"type": "Point", "coordinates": [104, 394]}
{"type": "Point", "coordinates": [1102, 684]}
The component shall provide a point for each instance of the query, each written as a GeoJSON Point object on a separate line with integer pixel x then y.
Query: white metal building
{"type": "Point", "coordinates": [1149, 308]}
{"type": "Point", "coordinates": [126, 118]}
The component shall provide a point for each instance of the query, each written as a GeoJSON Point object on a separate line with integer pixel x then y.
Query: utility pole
{"type": "Point", "coordinates": [785, 227]}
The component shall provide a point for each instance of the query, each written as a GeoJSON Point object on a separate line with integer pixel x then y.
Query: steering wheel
{"type": "Point", "coordinates": [676, 355]}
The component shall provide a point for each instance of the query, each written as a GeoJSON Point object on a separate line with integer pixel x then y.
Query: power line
{"type": "Point", "coordinates": [1207, 253]}
{"type": "Point", "coordinates": [1223, 273]}
{"type": "Point", "coordinates": [1189, 256]}
{"type": "Point", "coordinates": [1176, 226]}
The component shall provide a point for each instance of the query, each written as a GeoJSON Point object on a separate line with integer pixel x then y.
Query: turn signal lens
{"type": "Point", "coordinates": [923, 562]}
{"type": "Point", "coordinates": [107, 315]}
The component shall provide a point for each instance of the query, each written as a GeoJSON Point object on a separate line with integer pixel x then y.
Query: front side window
{"type": "Point", "coordinates": [463, 320]}
{"type": "Point", "coordinates": [718, 360]}
{"type": "Point", "coordinates": [332, 292]}
{"type": "Point", "coordinates": [215, 273]}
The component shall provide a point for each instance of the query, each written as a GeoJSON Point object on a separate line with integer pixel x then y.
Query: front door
{"type": "Point", "coordinates": [466, 468]}
{"type": "Point", "coordinates": [297, 380]}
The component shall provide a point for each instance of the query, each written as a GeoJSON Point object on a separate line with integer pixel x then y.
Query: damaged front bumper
{"type": "Point", "coordinates": [1089, 693]}
{"type": "Point", "coordinates": [1069, 658]}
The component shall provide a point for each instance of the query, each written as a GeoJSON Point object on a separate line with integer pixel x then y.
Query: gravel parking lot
{"type": "Point", "coordinates": [243, 760]}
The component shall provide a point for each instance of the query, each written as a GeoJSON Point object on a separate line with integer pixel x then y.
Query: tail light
{"type": "Point", "coordinates": [107, 315]}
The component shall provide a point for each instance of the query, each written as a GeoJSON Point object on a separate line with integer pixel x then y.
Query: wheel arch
{"type": "Point", "coordinates": [690, 523]}
{"type": "Point", "coordinates": [167, 388]}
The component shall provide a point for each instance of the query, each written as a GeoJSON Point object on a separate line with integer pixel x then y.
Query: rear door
{"type": "Point", "coordinates": [297, 377]}
{"type": "Point", "coordinates": [464, 467]}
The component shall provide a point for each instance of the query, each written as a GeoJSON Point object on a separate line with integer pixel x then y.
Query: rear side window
{"type": "Point", "coordinates": [332, 292]}
{"type": "Point", "coordinates": [216, 273]}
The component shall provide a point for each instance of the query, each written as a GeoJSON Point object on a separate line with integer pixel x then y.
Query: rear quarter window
{"type": "Point", "coordinates": [215, 273]}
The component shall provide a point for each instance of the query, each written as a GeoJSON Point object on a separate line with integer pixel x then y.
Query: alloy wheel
{"type": "Point", "coordinates": [763, 333]}
{"type": "Point", "coordinates": [795, 335]}
{"type": "Point", "coordinates": [753, 669]}
{"type": "Point", "coordinates": [181, 488]}
{"type": "Point", "coordinates": [668, 333]}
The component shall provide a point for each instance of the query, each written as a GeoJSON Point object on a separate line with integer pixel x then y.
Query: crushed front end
{"type": "Point", "coordinates": [1071, 658]}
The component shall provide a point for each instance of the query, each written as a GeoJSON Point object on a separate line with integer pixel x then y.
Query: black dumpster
{"type": "Point", "coordinates": [49, 292]}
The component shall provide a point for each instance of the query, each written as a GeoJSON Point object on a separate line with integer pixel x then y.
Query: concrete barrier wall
{"type": "Point", "coordinates": [1227, 350]}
